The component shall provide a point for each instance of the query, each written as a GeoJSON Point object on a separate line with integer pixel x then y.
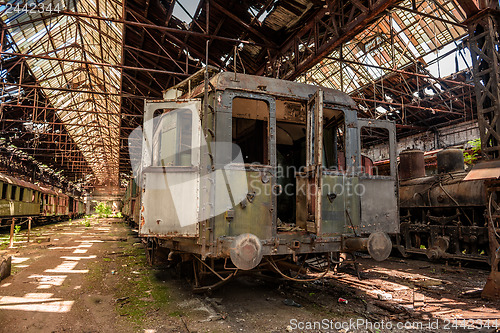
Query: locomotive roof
{"type": "Point", "coordinates": [261, 84]}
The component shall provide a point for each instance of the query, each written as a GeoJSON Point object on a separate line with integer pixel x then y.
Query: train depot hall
{"type": "Point", "coordinates": [249, 166]}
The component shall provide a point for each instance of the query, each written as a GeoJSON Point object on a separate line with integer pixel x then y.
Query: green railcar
{"type": "Point", "coordinates": [18, 199]}
{"type": "Point", "coordinates": [131, 203]}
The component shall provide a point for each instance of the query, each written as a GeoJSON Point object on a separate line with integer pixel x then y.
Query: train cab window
{"type": "Point", "coordinates": [21, 194]}
{"type": "Point", "coordinates": [375, 159]}
{"type": "Point", "coordinates": [5, 187]}
{"type": "Point", "coordinates": [173, 138]}
{"type": "Point", "coordinates": [250, 118]}
{"type": "Point", "coordinates": [333, 140]}
{"type": "Point", "coordinates": [13, 193]}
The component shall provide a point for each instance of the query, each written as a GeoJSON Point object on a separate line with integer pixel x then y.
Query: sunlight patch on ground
{"type": "Point", "coordinates": [47, 281]}
{"type": "Point", "coordinates": [18, 260]}
{"type": "Point", "coordinates": [78, 258]}
{"type": "Point", "coordinates": [39, 302]}
{"type": "Point", "coordinates": [89, 241]}
{"type": "Point", "coordinates": [63, 247]}
{"type": "Point", "coordinates": [67, 267]}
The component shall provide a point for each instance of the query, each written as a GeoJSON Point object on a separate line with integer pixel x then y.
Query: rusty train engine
{"type": "Point", "coordinates": [443, 215]}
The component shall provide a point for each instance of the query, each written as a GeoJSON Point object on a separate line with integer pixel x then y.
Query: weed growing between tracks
{"type": "Point", "coordinates": [138, 291]}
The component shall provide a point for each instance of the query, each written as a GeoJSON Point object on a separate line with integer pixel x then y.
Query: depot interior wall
{"type": "Point", "coordinates": [454, 135]}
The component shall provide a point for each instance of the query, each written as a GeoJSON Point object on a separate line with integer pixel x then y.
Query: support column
{"type": "Point", "coordinates": [484, 46]}
{"type": "Point", "coordinates": [484, 43]}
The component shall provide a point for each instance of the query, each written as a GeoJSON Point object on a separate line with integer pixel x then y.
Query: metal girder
{"type": "Point", "coordinates": [335, 23]}
{"type": "Point", "coordinates": [470, 7]}
{"type": "Point", "coordinates": [484, 44]}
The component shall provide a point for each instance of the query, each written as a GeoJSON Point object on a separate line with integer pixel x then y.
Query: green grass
{"type": "Point", "coordinates": [140, 287]}
{"type": "Point", "coordinates": [176, 314]}
{"type": "Point", "coordinates": [137, 297]}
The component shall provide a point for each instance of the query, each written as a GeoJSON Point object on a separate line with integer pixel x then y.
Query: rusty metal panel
{"type": "Point", "coordinates": [340, 205]}
{"type": "Point", "coordinates": [275, 87]}
{"type": "Point", "coordinates": [333, 207]}
{"type": "Point", "coordinates": [379, 206]}
{"type": "Point", "coordinates": [253, 214]}
{"type": "Point", "coordinates": [166, 211]}
{"type": "Point", "coordinates": [484, 170]}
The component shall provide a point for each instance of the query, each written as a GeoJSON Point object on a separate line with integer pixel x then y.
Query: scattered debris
{"type": "Point", "coordinates": [418, 300]}
{"type": "Point", "coordinates": [384, 296]}
{"type": "Point", "coordinates": [121, 299]}
{"type": "Point", "coordinates": [474, 293]}
{"type": "Point", "coordinates": [426, 283]}
{"type": "Point", "coordinates": [393, 307]}
{"type": "Point", "coordinates": [342, 300]}
{"type": "Point", "coordinates": [290, 302]}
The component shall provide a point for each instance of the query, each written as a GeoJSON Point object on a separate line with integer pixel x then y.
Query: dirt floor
{"type": "Point", "coordinates": [92, 276]}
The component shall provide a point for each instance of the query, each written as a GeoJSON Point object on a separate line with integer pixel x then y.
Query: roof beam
{"type": "Point", "coordinates": [149, 26]}
{"type": "Point", "coordinates": [244, 24]}
{"type": "Point", "coordinates": [35, 56]}
{"type": "Point", "coordinates": [339, 28]}
{"type": "Point", "coordinates": [470, 7]}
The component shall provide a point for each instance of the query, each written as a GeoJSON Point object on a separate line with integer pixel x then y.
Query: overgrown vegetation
{"type": "Point", "coordinates": [137, 290]}
{"type": "Point", "coordinates": [17, 229]}
{"type": "Point", "coordinates": [471, 158]}
{"type": "Point", "coordinates": [103, 210]}
{"type": "Point", "coordinates": [85, 222]}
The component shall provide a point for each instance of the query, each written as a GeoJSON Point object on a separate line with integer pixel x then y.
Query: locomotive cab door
{"type": "Point", "coordinates": [314, 156]}
{"type": "Point", "coordinates": [328, 202]}
{"type": "Point", "coordinates": [379, 199]}
{"type": "Point", "coordinates": [170, 168]}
